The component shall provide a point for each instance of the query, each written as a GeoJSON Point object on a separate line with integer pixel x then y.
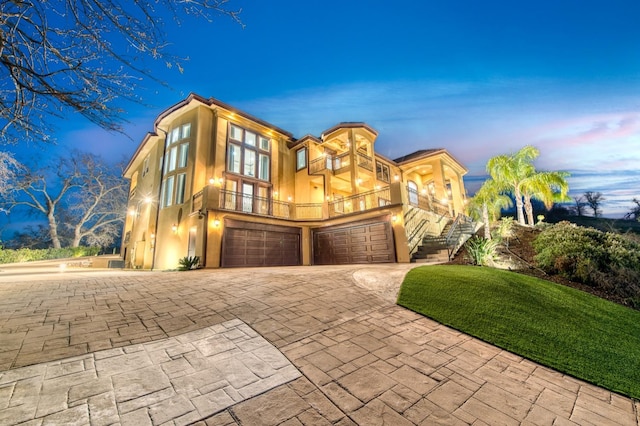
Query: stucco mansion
{"type": "Point", "coordinates": [214, 182]}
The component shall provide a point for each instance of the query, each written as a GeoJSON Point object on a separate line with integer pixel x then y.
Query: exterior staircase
{"type": "Point", "coordinates": [441, 248]}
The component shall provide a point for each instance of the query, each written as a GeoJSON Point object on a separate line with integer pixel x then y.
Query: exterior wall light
{"type": "Point", "coordinates": [174, 228]}
{"type": "Point", "coordinates": [290, 198]}
{"type": "Point", "coordinates": [396, 177]}
{"type": "Point", "coordinates": [394, 218]}
{"type": "Point", "coordinates": [216, 223]}
{"type": "Point", "coordinates": [358, 181]}
{"type": "Point", "coordinates": [211, 181]}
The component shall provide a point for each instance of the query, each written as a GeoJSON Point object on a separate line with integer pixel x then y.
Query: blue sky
{"type": "Point", "coordinates": [477, 78]}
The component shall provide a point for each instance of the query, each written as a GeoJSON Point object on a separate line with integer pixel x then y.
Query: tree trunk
{"type": "Point", "coordinates": [519, 206]}
{"type": "Point", "coordinates": [53, 229]}
{"type": "Point", "coordinates": [485, 219]}
{"type": "Point", "coordinates": [529, 210]}
{"type": "Point", "coordinates": [76, 237]}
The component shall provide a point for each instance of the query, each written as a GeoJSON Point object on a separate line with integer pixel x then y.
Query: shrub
{"type": "Point", "coordinates": [605, 260]}
{"type": "Point", "coordinates": [481, 251]}
{"type": "Point", "coordinates": [188, 262]}
{"type": "Point", "coordinates": [504, 230]}
{"type": "Point", "coordinates": [29, 255]}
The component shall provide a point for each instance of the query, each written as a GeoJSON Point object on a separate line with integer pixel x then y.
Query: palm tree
{"type": "Point", "coordinates": [512, 171]}
{"type": "Point", "coordinates": [487, 204]}
{"type": "Point", "coordinates": [548, 187]}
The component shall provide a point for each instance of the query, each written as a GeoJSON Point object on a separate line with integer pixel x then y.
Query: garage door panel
{"type": "Point", "coordinates": [358, 243]}
{"type": "Point", "coordinates": [253, 246]}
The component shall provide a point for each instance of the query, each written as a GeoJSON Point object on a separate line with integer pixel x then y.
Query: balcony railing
{"type": "Point", "coordinates": [426, 202]}
{"type": "Point", "coordinates": [360, 202]}
{"type": "Point", "coordinates": [197, 201]}
{"type": "Point", "coordinates": [365, 161]}
{"type": "Point", "coordinates": [339, 163]}
{"type": "Point", "coordinates": [252, 204]}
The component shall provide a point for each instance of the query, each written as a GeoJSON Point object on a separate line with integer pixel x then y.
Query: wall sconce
{"type": "Point", "coordinates": [132, 212]}
{"type": "Point", "coordinates": [216, 223]}
{"type": "Point", "coordinates": [290, 198]}
{"type": "Point", "coordinates": [328, 198]}
{"type": "Point", "coordinates": [153, 235]}
{"type": "Point", "coordinates": [211, 181]}
{"type": "Point", "coordinates": [275, 193]}
{"type": "Point", "coordinates": [445, 201]}
{"type": "Point", "coordinates": [396, 177]}
{"type": "Point", "coordinates": [424, 191]}
{"type": "Point", "coordinates": [394, 218]}
{"type": "Point", "coordinates": [377, 187]}
{"type": "Point", "coordinates": [358, 181]}
{"type": "Point", "coordinates": [174, 228]}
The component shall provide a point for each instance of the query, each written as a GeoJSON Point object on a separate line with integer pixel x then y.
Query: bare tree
{"type": "Point", "coordinates": [634, 213]}
{"type": "Point", "coordinates": [81, 55]}
{"type": "Point", "coordinates": [594, 200]}
{"type": "Point", "coordinates": [579, 206]}
{"type": "Point", "coordinates": [80, 196]}
{"type": "Point", "coordinates": [9, 166]}
{"type": "Point", "coordinates": [96, 213]}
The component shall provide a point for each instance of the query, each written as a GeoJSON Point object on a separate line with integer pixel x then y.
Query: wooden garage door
{"type": "Point", "coordinates": [253, 244]}
{"type": "Point", "coordinates": [367, 242]}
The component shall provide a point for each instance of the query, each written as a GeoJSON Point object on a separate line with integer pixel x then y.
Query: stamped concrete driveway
{"type": "Point", "coordinates": [298, 345]}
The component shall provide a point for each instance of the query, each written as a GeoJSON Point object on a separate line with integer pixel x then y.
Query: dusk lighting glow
{"type": "Point", "coordinates": [479, 79]}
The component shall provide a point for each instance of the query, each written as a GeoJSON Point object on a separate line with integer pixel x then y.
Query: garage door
{"type": "Point", "coordinates": [367, 242]}
{"type": "Point", "coordinates": [253, 244]}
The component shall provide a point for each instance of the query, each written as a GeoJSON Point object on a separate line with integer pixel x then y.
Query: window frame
{"type": "Point", "coordinates": [380, 174]}
{"type": "Point", "coordinates": [176, 162]}
{"type": "Point", "coordinates": [256, 145]}
{"type": "Point", "coordinates": [303, 165]}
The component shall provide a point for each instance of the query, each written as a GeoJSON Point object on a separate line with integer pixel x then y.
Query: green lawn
{"type": "Point", "coordinates": [557, 326]}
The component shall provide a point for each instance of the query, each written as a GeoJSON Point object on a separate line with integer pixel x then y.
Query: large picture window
{"type": "Point", "coordinates": [248, 154]}
{"type": "Point", "coordinates": [176, 159]}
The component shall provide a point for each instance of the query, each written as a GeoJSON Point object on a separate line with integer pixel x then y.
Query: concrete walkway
{"type": "Point", "coordinates": [301, 345]}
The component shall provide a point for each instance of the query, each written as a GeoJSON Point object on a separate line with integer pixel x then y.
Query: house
{"type": "Point", "coordinates": [213, 181]}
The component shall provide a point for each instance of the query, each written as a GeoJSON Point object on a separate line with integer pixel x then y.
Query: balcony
{"type": "Point", "coordinates": [426, 202]}
{"type": "Point", "coordinates": [215, 198]}
{"type": "Point", "coordinates": [339, 163]}
{"type": "Point", "coordinates": [360, 202]}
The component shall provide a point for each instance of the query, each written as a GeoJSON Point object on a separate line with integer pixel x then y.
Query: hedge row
{"type": "Point", "coordinates": [29, 255]}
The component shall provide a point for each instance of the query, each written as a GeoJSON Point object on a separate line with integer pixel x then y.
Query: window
{"type": "Point", "coordinates": [176, 159]}
{"type": "Point", "coordinates": [301, 159]}
{"type": "Point", "coordinates": [413, 192]}
{"type": "Point", "coordinates": [382, 172]}
{"type": "Point", "coordinates": [250, 163]}
{"type": "Point", "coordinates": [264, 167]}
{"type": "Point", "coordinates": [167, 191]}
{"type": "Point", "coordinates": [182, 155]}
{"type": "Point", "coordinates": [248, 153]}
{"type": "Point", "coordinates": [264, 143]}
{"type": "Point", "coordinates": [180, 185]}
{"type": "Point", "coordinates": [145, 166]}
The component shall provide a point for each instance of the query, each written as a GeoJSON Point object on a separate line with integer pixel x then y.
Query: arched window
{"type": "Point", "coordinates": [413, 192]}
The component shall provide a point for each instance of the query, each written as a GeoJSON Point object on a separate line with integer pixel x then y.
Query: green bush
{"type": "Point", "coordinates": [188, 262]}
{"type": "Point", "coordinates": [481, 251]}
{"type": "Point", "coordinates": [30, 255]}
{"type": "Point", "coordinates": [605, 260]}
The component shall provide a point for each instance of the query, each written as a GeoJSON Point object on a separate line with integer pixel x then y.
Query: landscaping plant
{"type": "Point", "coordinates": [188, 262]}
{"type": "Point", "coordinates": [481, 251]}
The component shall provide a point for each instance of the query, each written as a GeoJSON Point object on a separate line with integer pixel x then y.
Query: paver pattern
{"type": "Point", "coordinates": [183, 379]}
{"type": "Point", "coordinates": [363, 359]}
